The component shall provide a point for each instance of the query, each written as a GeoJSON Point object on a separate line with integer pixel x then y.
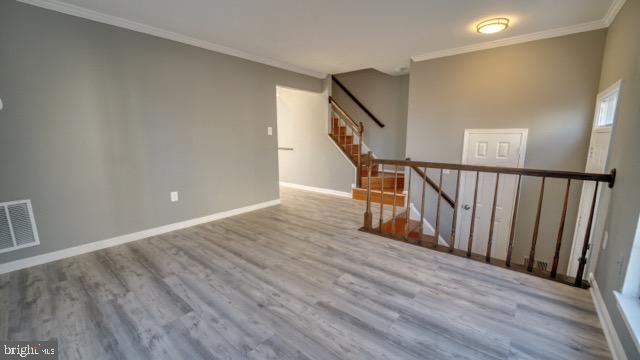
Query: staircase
{"type": "Point", "coordinates": [388, 211]}
{"type": "Point", "coordinates": [384, 186]}
{"type": "Point", "coordinates": [387, 186]}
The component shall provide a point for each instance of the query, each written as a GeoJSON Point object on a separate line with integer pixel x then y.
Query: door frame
{"type": "Point", "coordinates": [467, 132]}
{"type": "Point", "coordinates": [594, 249]}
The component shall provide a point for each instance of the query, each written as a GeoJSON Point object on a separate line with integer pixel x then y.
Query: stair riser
{"type": "Point", "coordinates": [343, 140]}
{"type": "Point", "coordinates": [365, 173]}
{"type": "Point", "coordinates": [388, 182]}
{"type": "Point", "coordinates": [339, 130]}
{"type": "Point", "coordinates": [361, 194]}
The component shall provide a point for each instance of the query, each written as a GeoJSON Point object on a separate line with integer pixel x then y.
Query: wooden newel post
{"type": "Point", "coordinates": [368, 216]}
{"type": "Point", "coordinates": [585, 245]}
{"type": "Point", "coordinates": [360, 141]}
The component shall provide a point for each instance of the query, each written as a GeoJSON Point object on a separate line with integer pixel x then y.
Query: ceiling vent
{"type": "Point", "coordinates": [17, 226]}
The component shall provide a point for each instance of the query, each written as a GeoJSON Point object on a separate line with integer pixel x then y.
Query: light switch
{"type": "Point", "coordinates": [269, 131]}
{"type": "Point", "coordinates": [174, 196]}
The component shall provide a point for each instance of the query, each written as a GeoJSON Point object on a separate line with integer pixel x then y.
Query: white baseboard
{"type": "Point", "coordinates": [427, 227]}
{"type": "Point", "coordinates": [102, 244]}
{"type": "Point", "coordinates": [316, 189]}
{"type": "Point", "coordinates": [615, 346]}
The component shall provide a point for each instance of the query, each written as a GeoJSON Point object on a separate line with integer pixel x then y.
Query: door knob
{"type": "Point", "coordinates": [466, 207]}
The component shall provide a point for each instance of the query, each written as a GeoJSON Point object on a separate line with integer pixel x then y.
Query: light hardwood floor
{"type": "Point", "coordinates": [293, 281]}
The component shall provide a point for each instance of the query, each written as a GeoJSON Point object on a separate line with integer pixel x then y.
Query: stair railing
{"type": "Point", "coordinates": [357, 102]}
{"type": "Point", "coordinates": [421, 167]}
{"type": "Point", "coordinates": [353, 129]}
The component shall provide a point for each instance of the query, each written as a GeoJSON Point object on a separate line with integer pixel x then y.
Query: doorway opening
{"type": "Point", "coordinates": [301, 116]}
{"type": "Point", "coordinates": [603, 122]}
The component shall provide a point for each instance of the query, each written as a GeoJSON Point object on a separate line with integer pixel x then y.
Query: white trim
{"type": "Point", "coordinates": [545, 34]}
{"type": "Point", "coordinates": [594, 241]}
{"type": "Point", "coordinates": [78, 11]}
{"type": "Point", "coordinates": [365, 149]}
{"type": "Point", "coordinates": [608, 18]}
{"type": "Point", "coordinates": [341, 151]}
{"type": "Point", "coordinates": [615, 346]}
{"type": "Point", "coordinates": [611, 14]}
{"type": "Point", "coordinates": [629, 307]}
{"type": "Point", "coordinates": [615, 88]}
{"type": "Point", "coordinates": [102, 244]}
{"type": "Point", "coordinates": [426, 225]}
{"type": "Point", "coordinates": [85, 13]}
{"type": "Point", "coordinates": [316, 189]}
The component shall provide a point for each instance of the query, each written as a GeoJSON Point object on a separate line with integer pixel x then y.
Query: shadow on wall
{"type": "Point", "coordinates": [547, 86]}
{"type": "Point", "coordinates": [387, 98]}
{"type": "Point", "coordinates": [306, 155]}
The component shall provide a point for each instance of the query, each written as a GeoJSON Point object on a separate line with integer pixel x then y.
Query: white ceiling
{"type": "Point", "coordinates": [320, 37]}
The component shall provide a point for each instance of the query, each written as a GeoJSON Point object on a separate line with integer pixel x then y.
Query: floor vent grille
{"type": "Point", "coordinates": [17, 226]}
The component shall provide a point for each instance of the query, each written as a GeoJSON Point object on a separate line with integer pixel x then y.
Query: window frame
{"type": "Point", "coordinates": [628, 300]}
{"type": "Point", "coordinates": [613, 90]}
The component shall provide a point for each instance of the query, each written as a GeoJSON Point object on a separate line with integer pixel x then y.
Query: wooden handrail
{"type": "Point", "coordinates": [434, 186]}
{"type": "Point", "coordinates": [421, 168]}
{"type": "Point", "coordinates": [608, 178]}
{"type": "Point", "coordinates": [364, 108]}
{"type": "Point", "coordinates": [358, 126]}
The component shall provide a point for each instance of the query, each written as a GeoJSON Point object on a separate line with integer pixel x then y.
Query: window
{"type": "Point", "coordinates": [607, 104]}
{"type": "Point", "coordinates": [631, 285]}
{"type": "Point", "coordinates": [629, 299]}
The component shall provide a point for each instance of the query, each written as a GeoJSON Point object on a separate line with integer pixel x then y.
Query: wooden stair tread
{"type": "Point", "coordinates": [390, 182]}
{"type": "Point", "coordinates": [400, 229]}
{"type": "Point", "coordinates": [376, 195]}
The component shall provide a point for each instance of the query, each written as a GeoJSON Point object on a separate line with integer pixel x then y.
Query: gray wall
{"type": "Point", "coordinates": [101, 123]}
{"type": "Point", "coordinates": [548, 86]}
{"type": "Point", "coordinates": [622, 61]}
{"type": "Point", "coordinates": [303, 124]}
{"type": "Point", "coordinates": [386, 97]}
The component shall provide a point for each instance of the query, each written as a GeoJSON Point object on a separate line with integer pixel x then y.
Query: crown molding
{"type": "Point", "coordinates": [546, 34]}
{"type": "Point", "coordinates": [608, 18]}
{"type": "Point", "coordinates": [613, 11]}
{"type": "Point", "coordinates": [78, 11]}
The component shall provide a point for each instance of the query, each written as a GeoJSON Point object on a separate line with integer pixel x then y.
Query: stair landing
{"type": "Point", "coordinates": [406, 231]}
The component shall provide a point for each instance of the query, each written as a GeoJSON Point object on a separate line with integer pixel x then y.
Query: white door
{"type": "Point", "coordinates": [499, 147]}
{"type": "Point", "coordinates": [606, 105]}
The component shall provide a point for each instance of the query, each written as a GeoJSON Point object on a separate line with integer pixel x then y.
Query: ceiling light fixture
{"type": "Point", "coordinates": [493, 26]}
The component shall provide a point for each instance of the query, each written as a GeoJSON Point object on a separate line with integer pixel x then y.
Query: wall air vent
{"type": "Point", "coordinates": [17, 226]}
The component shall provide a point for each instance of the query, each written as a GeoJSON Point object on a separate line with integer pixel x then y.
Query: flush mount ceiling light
{"type": "Point", "coordinates": [492, 26]}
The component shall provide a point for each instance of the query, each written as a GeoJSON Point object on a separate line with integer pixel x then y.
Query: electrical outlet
{"type": "Point", "coordinates": [269, 131]}
{"type": "Point", "coordinates": [446, 171]}
{"type": "Point", "coordinates": [174, 196]}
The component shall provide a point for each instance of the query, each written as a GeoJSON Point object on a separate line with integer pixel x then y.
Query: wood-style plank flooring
{"type": "Point", "coordinates": [294, 281]}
